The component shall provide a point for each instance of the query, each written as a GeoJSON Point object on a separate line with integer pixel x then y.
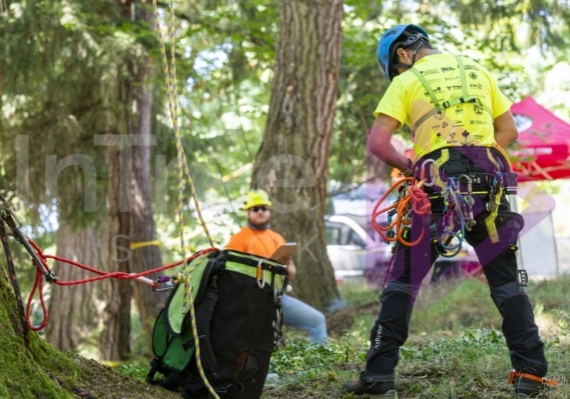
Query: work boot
{"type": "Point", "coordinates": [377, 386]}
{"type": "Point", "coordinates": [525, 388]}
{"type": "Point", "coordinates": [528, 385]}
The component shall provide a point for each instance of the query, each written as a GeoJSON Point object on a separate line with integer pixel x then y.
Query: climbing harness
{"type": "Point", "coordinates": [439, 178]}
{"type": "Point", "coordinates": [457, 217]}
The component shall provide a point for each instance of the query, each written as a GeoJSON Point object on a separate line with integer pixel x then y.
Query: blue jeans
{"type": "Point", "coordinates": [300, 315]}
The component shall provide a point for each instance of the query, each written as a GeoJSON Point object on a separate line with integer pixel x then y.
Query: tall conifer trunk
{"type": "Point", "coordinates": [131, 218]}
{"type": "Point", "coordinates": [292, 163]}
{"type": "Point", "coordinates": [72, 310]}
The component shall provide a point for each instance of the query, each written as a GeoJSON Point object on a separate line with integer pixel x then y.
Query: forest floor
{"type": "Point", "coordinates": [102, 382]}
{"type": "Point", "coordinates": [456, 351]}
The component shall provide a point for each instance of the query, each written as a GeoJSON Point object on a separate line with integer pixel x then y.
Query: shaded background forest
{"type": "Point", "coordinates": [93, 135]}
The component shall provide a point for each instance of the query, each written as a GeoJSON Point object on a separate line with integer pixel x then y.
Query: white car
{"type": "Point", "coordinates": [357, 251]}
{"type": "Point", "coordinates": [352, 248]}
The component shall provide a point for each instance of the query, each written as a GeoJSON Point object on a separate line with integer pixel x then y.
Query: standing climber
{"type": "Point", "coordinates": [460, 122]}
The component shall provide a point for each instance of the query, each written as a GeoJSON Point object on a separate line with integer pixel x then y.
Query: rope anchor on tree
{"type": "Point", "coordinates": [7, 217]}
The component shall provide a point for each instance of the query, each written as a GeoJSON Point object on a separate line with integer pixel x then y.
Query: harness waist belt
{"type": "Point", "coordinates": [485, 166]}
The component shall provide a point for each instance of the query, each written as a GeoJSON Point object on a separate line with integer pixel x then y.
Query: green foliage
{"type": "Point", "coordinates": [138, 371]}
{"type": "Point", "coordinates": [301, 361]}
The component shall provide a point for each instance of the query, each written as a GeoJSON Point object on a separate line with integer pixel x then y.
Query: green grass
{"type": "Point", "coordinates": [455, 348]}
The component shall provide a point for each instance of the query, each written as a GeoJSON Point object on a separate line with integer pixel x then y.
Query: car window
{"type": "Point", "coordinates": [354, 239]}
{"type": "Point", "coordinates": [333, 233]}
{"type": "Point", "coordinates": [342, 234]}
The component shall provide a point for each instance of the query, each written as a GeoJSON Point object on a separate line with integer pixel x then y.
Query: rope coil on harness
{"type": "Point", "coordinates": [411, 199]}
{"type": "Point", "coordinates": [455, 190]}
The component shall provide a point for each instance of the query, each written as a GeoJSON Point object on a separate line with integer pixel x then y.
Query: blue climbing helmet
{"type": "Point", "coordinates": [394, 38]}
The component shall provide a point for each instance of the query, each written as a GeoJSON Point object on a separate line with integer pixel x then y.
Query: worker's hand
{"type": "Point", "coordinates": [291, 268]}
{"type": "Point", "coordinates": [285, 260]}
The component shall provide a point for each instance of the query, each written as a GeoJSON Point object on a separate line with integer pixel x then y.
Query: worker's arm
{"type": "Point", "coordinates": [380, 143]}
{"type": "Point", "coordinates": [505, 129]}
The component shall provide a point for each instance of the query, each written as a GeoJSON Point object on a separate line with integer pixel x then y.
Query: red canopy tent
{"type": "Point", "coordinates": [542, 150]}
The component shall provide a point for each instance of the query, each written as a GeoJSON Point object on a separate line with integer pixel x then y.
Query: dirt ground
{"type": "Point", "coordinates": [103, 382]}
{"type": "Point", "coordinates": [341, 321]}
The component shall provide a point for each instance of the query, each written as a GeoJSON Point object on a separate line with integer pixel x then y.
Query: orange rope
{"type": "Point", "coordinates": [415, 198]}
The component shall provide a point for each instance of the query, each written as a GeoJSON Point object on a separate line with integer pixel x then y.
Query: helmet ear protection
{"type": "Point", "coordinates": [394, 38]}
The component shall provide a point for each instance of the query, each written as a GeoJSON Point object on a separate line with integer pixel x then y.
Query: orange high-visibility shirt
{"type": "Point", "coordinates": [257, 242]}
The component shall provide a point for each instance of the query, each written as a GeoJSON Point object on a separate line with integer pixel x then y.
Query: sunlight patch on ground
{"type": "Point", "coordinates": [551, 327]}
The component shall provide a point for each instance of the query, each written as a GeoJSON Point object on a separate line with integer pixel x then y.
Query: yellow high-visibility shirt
{"type": "Point", "coordinates": [407, 101]}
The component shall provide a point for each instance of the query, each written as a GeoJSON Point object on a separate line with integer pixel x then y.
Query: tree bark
{"type": "Point", "coordinates": [72, 309]}
{"type": "Point", "coordinates": [143, 227]}
{"type": "Point", "coordinates": [131, 218]}
{"type": "Point", "coordinates": [292, 162]}
{"type": "Point", "coordinates": [115, 337]}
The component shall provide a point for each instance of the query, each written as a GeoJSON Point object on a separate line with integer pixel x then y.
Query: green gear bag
{"type": "Point", "coordinates": [237, 302]}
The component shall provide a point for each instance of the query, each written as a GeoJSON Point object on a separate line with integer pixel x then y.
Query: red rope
{"type": "Point", "coordinates": [38, 283]}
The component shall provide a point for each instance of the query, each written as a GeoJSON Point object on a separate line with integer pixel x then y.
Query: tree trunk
{"type": "Point", "coordinates": [72, 309]}
{"type": "Point", "coordinates": [292, 162]}
{"type": "Point", "coordinates": [131, 218]}
{"type": "Point", "coordinates": [143, 228]}
{"type": "Point", "coordinates": [115, 337]}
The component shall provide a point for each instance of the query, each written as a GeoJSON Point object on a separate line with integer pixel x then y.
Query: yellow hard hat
{"type": "Point", "coordinates": [256, 198]}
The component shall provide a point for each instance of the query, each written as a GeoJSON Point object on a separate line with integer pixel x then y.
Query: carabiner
{"type": "Point", "coordinates": [259, 275]}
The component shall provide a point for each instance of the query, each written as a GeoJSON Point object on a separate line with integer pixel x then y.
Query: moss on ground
{"type": "Point", "coordinates": [39, 371]}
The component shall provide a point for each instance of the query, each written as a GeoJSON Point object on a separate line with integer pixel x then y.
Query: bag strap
{"type": "Point", "coordinates": [213, 268]}
{"type": "Point", "coordinates": [201, 275]}
{"type": "Point", "coordinates": [256, 266]}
